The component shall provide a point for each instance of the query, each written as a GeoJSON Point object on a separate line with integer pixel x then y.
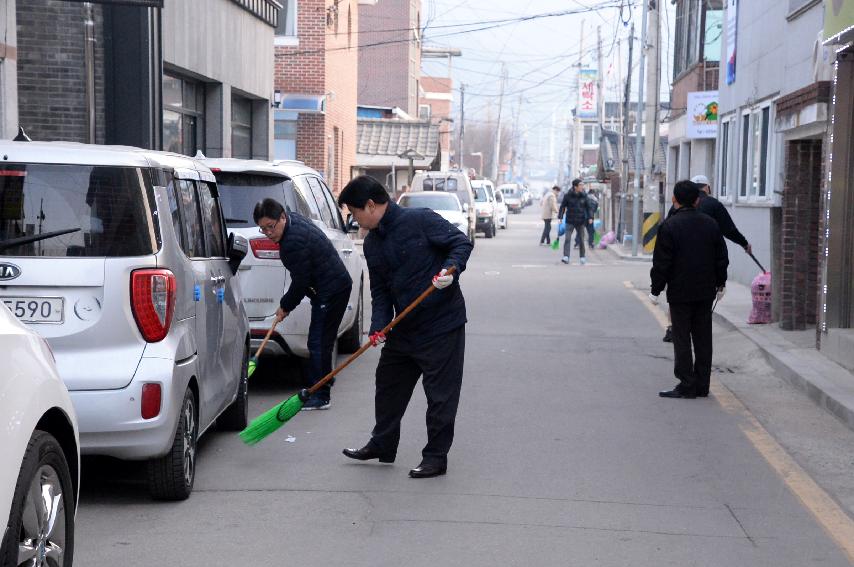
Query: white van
{"type": "Point", "coordinates": [455, 182]}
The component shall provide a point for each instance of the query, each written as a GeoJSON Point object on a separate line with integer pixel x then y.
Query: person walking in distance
{"type": "Point", "coordinates": [575, 209]}
{"type": "Point", "coordinates": [593, 203]}
{"type": "Point", "coordinates": [715, 209]}
{"type": "Point", "coordinates": [405, 250]}
{"type": "Point", "coordinates": [549, 210]}
{"type": "Point", "coordinates": [317, 272]}
{"type": "Point", "coordinates": [689, 260]}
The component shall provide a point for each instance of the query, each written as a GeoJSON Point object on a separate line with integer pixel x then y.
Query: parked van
{"type": "Point", "coordinates": [455, 182]}
{"type": "Point", "coordinates": [263, 279]}
{"type": "Point", "coordinates": [120, 259]}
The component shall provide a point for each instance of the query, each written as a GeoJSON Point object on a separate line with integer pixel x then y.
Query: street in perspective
{"type": "Point", "coordinates": [427, 282]}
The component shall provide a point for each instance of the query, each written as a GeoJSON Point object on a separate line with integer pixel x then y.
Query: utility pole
{"type": "Point", "coordinates": [576, 138]}
{"type": "Point", "coordinates": [653, 105]}
{"type": "Point", "coordinates": [515, 140]}
{"type": "Point", "coordinates": [460, 152]}
{"type": "Point", "coordinates": [636, 207]}
{"type": "Point", "coordinates": [496, 156]}
{"type": "Point", "coordinates": [624, 147]}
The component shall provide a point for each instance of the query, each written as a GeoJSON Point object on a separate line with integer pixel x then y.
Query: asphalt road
{"type": "Point", "coordinates": [564, 454]}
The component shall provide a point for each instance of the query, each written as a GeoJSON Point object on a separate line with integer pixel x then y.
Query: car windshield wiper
{"type": "Point", "coordinates": [244, 221]}
{"type": "Point", "coordinates": [12, 242]}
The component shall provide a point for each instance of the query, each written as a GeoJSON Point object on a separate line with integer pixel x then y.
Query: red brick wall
{"type": "Point", "coordinates": [799, 238]}
{"type": "Point", "coordinates": [384, 70]}
{"type": "Point", "coordinates": [342, 63]}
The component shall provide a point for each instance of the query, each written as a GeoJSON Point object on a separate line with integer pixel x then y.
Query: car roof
{"type": "Point", "coordinates": [73, 153]}
{"type": "Point", "coordinates": [283, 168]}
{"type": "Point", "coordinates": [428, 194]}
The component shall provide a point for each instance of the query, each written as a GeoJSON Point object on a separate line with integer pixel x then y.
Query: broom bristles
{"type": "Point", "coordinates": [252, 365]}
{"type": "Point", "coordinates": [271, 420]}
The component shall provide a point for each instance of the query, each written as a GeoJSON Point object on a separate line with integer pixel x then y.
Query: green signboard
{"type": "Point", "coordinates": [838, 19]}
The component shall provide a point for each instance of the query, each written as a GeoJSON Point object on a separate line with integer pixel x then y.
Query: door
{"type": "Point", "coordinates": [208, 321]}
{"type": "Point", "coordinates": [225, 295]}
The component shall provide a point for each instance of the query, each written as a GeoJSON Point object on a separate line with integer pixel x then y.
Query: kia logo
{"type": "Point", "coordinates": [9, 271]}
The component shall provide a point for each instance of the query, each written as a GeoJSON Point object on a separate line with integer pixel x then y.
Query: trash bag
{"type": "Point", "coordinates": [561, 228]}
{"type": "Point", "coordinates": [760, 289]}
{"type": "Point", "coordinates": [597, 224]}
{"type": "Point", "coordinates": [607, 239]}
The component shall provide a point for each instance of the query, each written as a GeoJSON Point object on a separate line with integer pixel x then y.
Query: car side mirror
{"type": "Point", "coordinates": [352, 225]}
{"type": "Point", "coordinates": [238, 247]}
{"type": "Point", "coordinates": [465, 207]}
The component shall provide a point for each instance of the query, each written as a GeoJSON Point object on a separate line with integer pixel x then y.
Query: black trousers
{"type": "Point", "coordinates": [402, 362]}
{"type": "Point", "coordinates": [547, 229]}
{"type": "Point", "coordinates": [692, 325]}
{"type": "Point", "coordinates": [326, 317]}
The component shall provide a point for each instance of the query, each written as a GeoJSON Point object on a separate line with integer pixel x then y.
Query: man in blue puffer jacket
{"type": "Point", "coordinates": [317, 272]}
{"type": "Point", "coordinates": [405, 250]}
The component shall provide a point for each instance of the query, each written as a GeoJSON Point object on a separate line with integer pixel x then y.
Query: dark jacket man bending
{"type": "Point", "coordinates": [317, 272]}
{"type": "Point", "coordinates": [405, 250]}
{"type": "Point", "coordinates": [690, 260]}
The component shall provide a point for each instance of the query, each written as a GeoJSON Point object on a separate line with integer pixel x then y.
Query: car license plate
{"type": "Point", "coordinates": [36, 309]}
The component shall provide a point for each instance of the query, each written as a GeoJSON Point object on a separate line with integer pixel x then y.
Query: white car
{"type": "Point", "coordinates": [501, 212]}
{"type": "Point", "coordinates": [484, 204]}
{"type": "Point", "coordinates": [445, 204]}
{"type": "Point", "coordinates": [512, 197]}
{"type": "Point", "coordinates": [40, 474]}
{"type": "Point", "coordinates": [262, 277]}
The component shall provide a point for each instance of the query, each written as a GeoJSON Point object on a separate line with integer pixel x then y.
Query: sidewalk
{"type": "Point", "coordinates": [625, 253]}
{"type": "Point", "coordinates": [792, 354]}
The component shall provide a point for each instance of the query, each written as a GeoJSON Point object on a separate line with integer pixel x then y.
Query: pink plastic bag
{"type": "Point", "coordinates": [760, 289]}
{"type": "Point", "coordinates": [607, 239]}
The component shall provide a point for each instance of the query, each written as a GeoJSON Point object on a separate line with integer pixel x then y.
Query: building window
{"type": "Point", "coordinates": [183, 115]}
{"type": "Point", "coordinates": [724, 169]}
{"type": "Point", "coordinates": [287, 19]}
{"type": "Point", "coordinates": [241, 127]}
{"type": "Point", "coordinates": [591, 135]}
{"type": "Point", "coordinates": [745, 154]}
{"type": "Point", "coordinates": [758, 186]}
{"type": "Point", "coordinates": [285, 135]}
{"type": "Point", "coordinates": [424, 111]}
{"type": "Point", "coordinates": [713, 32]}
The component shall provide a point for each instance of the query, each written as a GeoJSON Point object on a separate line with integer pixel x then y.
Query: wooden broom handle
{"type": "Point", "coordinates": [386, 329]}
{"type": "Point", "coordinates": [266, 338]}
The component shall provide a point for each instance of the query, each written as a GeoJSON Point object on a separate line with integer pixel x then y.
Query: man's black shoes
{"type": "Point", "coordinates": [677, 393]}
{"type": "Point", "coordinates": [367, 453]}
{"type": "Point", "coordinates": [427, 471]}
{"type": "Point", "coordinates": [668, 335]}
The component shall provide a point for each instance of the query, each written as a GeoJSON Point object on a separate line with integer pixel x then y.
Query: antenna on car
{"type": "Point", "coordinates": [199, 155]}
{"type": "Point", "coordinates": [22, 136]}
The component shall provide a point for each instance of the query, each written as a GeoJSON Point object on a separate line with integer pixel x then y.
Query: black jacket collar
{"type": "Point", "coordinates": [386, 223]}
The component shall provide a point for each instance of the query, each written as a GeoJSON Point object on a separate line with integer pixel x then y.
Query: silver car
{"type": "Point", "coordinates": [119, 258]}
{"type": "Point", "coordinates": [263, 279]}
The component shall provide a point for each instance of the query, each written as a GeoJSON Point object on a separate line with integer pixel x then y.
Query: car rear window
{"type": "Point", "coordinates": [240, 192]}
{"type": "Point", "coordinates": [480, 194]}
{"type": "Point", "coordinates": [437, 202]}
{"type": "Point", "coordinates": [76, 210]}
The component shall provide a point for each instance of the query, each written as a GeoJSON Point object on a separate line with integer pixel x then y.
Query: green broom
{"type": "Point", "coordinates": [556, 244]}
{"type": "Point", "coordinates": [278, 415]}
{"type": "Point", "coordinates": [253, 362]}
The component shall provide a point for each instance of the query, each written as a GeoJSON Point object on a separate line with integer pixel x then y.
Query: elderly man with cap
{"type": "Point", "coordinates": [717, 211]}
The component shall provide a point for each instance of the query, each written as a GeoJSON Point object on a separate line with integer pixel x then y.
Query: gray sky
{"type": "Point", "coordinates": [541, 55]}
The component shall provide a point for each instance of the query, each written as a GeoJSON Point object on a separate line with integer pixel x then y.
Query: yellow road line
{"type": "Point", "coordinates": [830, 516]}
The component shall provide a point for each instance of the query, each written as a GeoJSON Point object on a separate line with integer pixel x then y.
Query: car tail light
{"type": "Point", "coordinates": [152, 395]}
{"type": "Point", "coordinates": [153, 302]}
{"type": "Point", "coordinates": [264, 248]}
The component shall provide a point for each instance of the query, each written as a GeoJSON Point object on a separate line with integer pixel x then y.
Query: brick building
{"type": "Point", "coordinates": [435, 104]}
{"type": "Point", "coordinates": [390, 54]}
{"type": "Point", "coordinates": [315, 78]}
{"type": "Point", "coordinates": [144, 73]}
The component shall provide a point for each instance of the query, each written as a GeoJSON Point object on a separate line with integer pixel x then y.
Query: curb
{"type": "Point", "coordinates": [615, 250]}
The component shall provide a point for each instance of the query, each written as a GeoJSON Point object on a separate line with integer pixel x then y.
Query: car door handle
{"type": "Point", "coordinates": [347, 251]}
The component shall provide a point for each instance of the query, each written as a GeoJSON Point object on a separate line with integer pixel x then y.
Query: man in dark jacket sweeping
{"type": "Point", "coordinates": [317, 272]}
{"type": "Point", "coordinates": [575, 208]}
{"type": "Point", "coordinates": [405, 250]}
{"type": "Point", "coordinates": [690, 259]}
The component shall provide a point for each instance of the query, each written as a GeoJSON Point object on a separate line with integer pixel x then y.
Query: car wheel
{"type": "Point", "coordinates": [490, 231]}
{"type": "Point", "coordinates": [171, 477]}
{"type": "Point", "coordinates": [236, 416]}
{"type": "Point", "coordinates": [41, 521]}
{"type": "Point", "coordinates": [351, 340]}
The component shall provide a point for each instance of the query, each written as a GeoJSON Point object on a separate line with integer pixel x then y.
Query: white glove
{"type": "Point", "coordinates": [721, 293]}
{"type": "Point", "coordinates": [443, 279]}
{"type": "Point", "coordinates": [653, 299]}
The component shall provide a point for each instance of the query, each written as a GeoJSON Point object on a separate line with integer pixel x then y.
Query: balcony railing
{"type": "Point", "coordinates": [266, 10]}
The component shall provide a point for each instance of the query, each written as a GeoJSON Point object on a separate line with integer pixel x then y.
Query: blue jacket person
{"type": "Point", "coordinates": [405, 250]}
{"type": "Point", "coordinates": [316, 272]}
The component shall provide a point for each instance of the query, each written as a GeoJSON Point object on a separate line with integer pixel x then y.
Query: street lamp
{"type": "Point", "coordinates": [480, 164]}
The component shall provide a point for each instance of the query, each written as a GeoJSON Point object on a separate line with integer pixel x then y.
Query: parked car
{"type": "Point", "coordinates": [446, 204]}
{"type": "Point", "coordinates": [40, 474]}
{"type": "Point", "coordinates": [119, 258]}
{"type": "Point", "coordinates": [263, 279]}
{"type": "Point", "coordinates": [501, 213]}
{"type": "Point", "coordinates": [454, 182]}
{"type": "Point", "coordinates": [484, 204]}
{"type": "Point", "coordinates": [512, 197]}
